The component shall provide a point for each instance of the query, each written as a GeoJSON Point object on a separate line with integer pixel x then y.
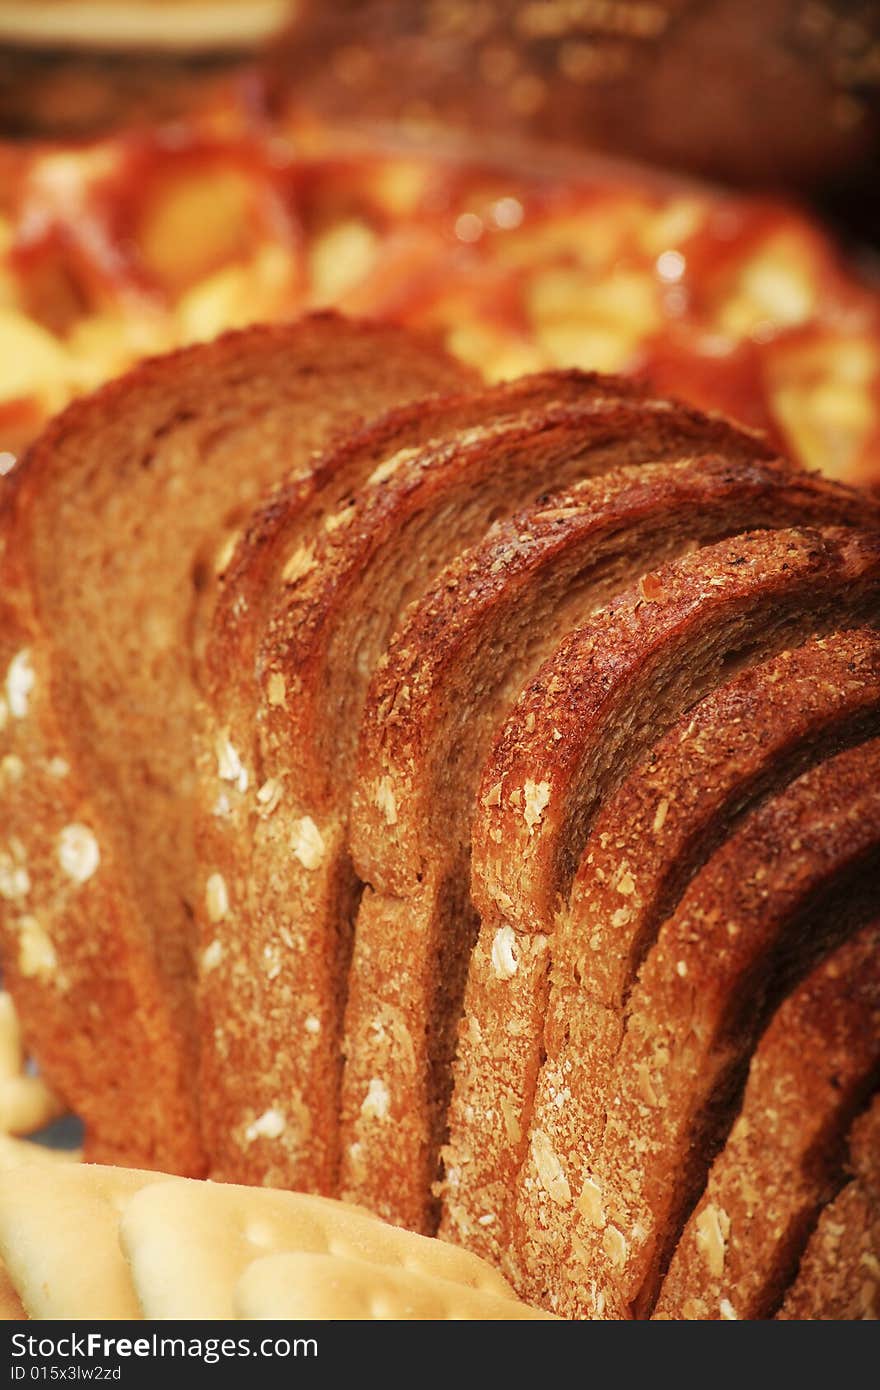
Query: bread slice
{"type": "Point", "coordinates": [801, 873]}
{"type": "Point", "coordinates": [813, 1070]}
{"type": "Point", "coordinates": [110, 529]}
{"type": "Point", "coordinates": [739, 745]}
{"type": "Point", "coordinates": [839, 1274]}
{"type": "Point", "coordinates": [279, 893]}
{"type": "Point", "coordinates": [446, 683]}
{"type": "Point", "coordinates": [743, 742]}
{"type": "Point", "coordinates": [609, 691]}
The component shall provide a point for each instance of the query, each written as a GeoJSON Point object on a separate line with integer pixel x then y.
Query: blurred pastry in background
{"type": "Point", "coordinates": [76, 69]}
{"type": "Point", "coordinates": [782, 92]}
{"type": "Point", "coordinates": [146, 240]}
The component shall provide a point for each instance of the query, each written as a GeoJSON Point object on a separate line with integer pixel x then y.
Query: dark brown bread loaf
{"type": "Point", "coordinates": [280, 536]}
{"type": "Point", "coordinates": [802, 578]}
{"type": "Point", "coordinates": [271, 631]}
{"type": "Point", "coordinates": [446, 683]}
{"type": "Point", "coordinates": [604, 660]}
{"type": "Point", "coordinates": [276, 924]}
{"type": "Point", "coordinates": [741, 744]}
{"type": "Point", "coordinates": [608, 692]}
{"type": "Point", "coordinates": [110, 532]}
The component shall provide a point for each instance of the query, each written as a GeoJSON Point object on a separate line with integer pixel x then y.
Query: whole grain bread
{"type": "Point", "coordinates": [276, 924]}
{"type": "Point", "coordinates": [608, 692]}
{"type": "Point", "coordinates": [244, 706]}
{"type": "Point", "coordinates": [109, 532]}
{"type": "Point", "coordinates": [280, 534]}
{"type": "Point", "coordinates": [377, 678]}
{"type": "Point", "coordinates": [738, 746]}
{"type": "Point", "coordinates": [446, 683]}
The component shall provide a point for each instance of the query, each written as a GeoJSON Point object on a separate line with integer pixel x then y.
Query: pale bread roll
{"type": "Point", "coordinates": [330, 1287]}
{"type": "Point", "coordinates": [17, 1153]}
{"type": "Point", "coordinates": [188, 1244]}
{"type": "Point", "coordinates": [59, 1239]}
{"type": "Point", "coordinates": [84, 1242]}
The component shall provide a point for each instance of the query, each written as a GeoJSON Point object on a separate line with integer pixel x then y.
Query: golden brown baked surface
{"type": "Point", "coordinates": [609, 691]}
{"type": "Point", "coordinates": [447, 683]}
{"type": "Point", "coordinates": [676, 634]}
{"type": "Point", "coordinates": [312, 595]}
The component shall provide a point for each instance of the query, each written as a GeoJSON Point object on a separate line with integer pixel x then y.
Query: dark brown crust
{"type": "Point", "coordinates": [812, 1072]}
{"type": "Point", "coordinates": [296, 510]}
{"type": "Point", "coordinates": [437, 691]}
{"type": "Point", "coordinates": [318, 495]}
{"type": "Point", "coordinates": [96, 955]}
{"type": "Point", "coordinates": [554, 730]}
{"type": "Point", "coordinates": [444, 686]}
{"type": "Point", "coordinates": [610, 690]}
{"type": "Point", "coordinates": [744, 741]}
{"type": "Point", "coordinates": [801, 874]}
{"type": "Point", "coordinates": [341, 598]}
{"type": "Point", "coordinates": [180, 380]}
{"type": "Point", "coordinates": [462, 482]}
{"type": "Point", "coordinates": [130, 490]}
{"type": "Point", "coordinates": [748, 738]}
{"type": "Point", "coordinates": [294, 519]}
{"type": "Point", "coordinates": [839, 1275]}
